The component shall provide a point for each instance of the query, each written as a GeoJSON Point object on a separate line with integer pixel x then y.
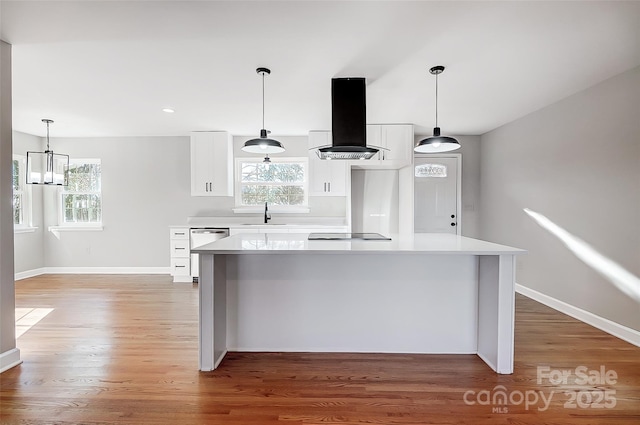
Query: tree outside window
{"type": "Point", "coordinates": [277, 183]}
{"type": "Point", "coordinates": [18, 192]}
{"type": "Point", "coordinates": [82, 197]}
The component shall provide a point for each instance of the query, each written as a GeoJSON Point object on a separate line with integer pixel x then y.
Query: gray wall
{"type": "Point", "coordinates": [470, 150]}
{"type": "Point", "coordinates": [145, 189]}
{"type": "Point", "coordinates": [29, 252]}
{"type": "Point", "coordinates": [578, 163]}
{"type": "Point", "coordinates": [7, 285]}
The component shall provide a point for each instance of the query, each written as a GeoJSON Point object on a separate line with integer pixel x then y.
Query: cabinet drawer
{"type": "Point", "coordinates": [179, 233]}
{"type": "Point", "coordinates": [180, 248]}
{"type": "Point", "coordinates": [181, 266]}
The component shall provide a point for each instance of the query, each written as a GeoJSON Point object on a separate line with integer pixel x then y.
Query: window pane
{"type": "Point", "coordinates": [276, 173]}
{"type": "Point", "coordinates": [249, 172]}
{"type": "Point", "coordinates": [84, 178]}
{"type": "Point", "coordinates": [16, 175]}
{"type": "Point", "coordinates": [276, 195]}
{"type": "Point", "coordinates": [82, 208]}
{"type": "Point", "coordinates": [431, 170]}
{"type": "Point", "coordinates": [17, 208]}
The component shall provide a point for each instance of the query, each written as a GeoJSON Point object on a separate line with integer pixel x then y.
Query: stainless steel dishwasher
{"type": "Point", "coordinates": [201, 236]}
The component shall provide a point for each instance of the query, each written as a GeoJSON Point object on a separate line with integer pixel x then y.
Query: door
{"type": "Point", "coordinates": [436, 195]}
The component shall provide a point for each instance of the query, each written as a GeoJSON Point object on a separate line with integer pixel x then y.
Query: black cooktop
{"type": "Point", "coordinates": [347, 236]}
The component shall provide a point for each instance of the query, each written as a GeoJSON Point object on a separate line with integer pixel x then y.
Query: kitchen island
{"type": "Point", "coordinates": [422, 293]}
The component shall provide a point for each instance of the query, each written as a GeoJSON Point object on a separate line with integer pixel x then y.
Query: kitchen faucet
{"type": "Point", "coordinates": [267, 216]}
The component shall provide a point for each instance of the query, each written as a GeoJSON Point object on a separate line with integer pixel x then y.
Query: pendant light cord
{"type": "Point", "coordinates": [47, 136]}
{"type": "Point", "coordinates": [263, 99]}
{"type": "Point", "coordinates": [436, 100]}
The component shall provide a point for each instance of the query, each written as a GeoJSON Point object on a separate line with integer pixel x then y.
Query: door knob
{"type": "Point", "coordinates": [453, 216]}
{"type": "Point", "coordinates": [453, 224]}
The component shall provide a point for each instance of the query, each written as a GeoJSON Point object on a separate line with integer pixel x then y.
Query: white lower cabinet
{"type": "Point", "coordinates": [180, 251]}
{"type": "Point", "coordinates": [180, 255]}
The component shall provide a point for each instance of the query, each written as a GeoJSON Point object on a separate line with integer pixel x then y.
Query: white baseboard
{"type": "Point", "coordinates": [632, 336]}
{"type": "Point", "coordinates": [9, 359]}
{"type": "Point", "coordinates": [93, 270]}
{"type": "Point", "coordinates": [30, 273]}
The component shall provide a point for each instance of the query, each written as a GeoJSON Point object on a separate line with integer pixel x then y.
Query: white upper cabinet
{"type": "Point", "coordinates": [211, 163]}
{"type": "Point", "coordinates": [395, 141]}
{"type": "Point", "coordinates": [326, 177]}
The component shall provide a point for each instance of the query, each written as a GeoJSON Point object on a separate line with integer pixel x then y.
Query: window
{"type": "Point", "coordinates": [431, 170]}
{"type": "Point", "coordinates": [282, 182]}
{"type": "Point", "coordinates": [81, 199]}
{"type": "Point", "coordinates": [21, 194]}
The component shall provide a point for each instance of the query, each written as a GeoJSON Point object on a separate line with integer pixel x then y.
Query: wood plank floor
{"type": "Point", "coordinates": [123, 350]}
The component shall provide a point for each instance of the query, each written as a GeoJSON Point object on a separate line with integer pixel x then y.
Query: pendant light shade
{"type": "Point", "coordinates": [47, 167]}
{"type": "Point", "coordinates": [437, 143]}
{"type": "Point", "coordinates": [263, 144]}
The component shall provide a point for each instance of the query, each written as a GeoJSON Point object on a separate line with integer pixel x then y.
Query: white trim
{"type": "Point", "coordinates": [632, 336]}
{"type": "Point", "coordinates": [93, 270]}
{"type": "Point", "coordinates": [9, 359]}
{"type": "Point", "coordinates": [76, 228]}
{"type": "Point", "coordinates": [108, 270]}
{"type": "Point", "coordinates": [27, 197]}
{"type": "Point", "coordinates": [29, 273]}
{"type": "Point", "coordinates": [26, 229]}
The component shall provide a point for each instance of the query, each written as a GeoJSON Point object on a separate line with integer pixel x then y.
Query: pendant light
{"type": "Point", "coordinates": [437, 143]}
{"type": "Point", "coordinates": [47, 167]}
{"type": "Point", "coordinates": [263, 144]}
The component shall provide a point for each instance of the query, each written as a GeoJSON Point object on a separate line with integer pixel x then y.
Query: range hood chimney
{"type": "Point", "coordinates": [348, 121]}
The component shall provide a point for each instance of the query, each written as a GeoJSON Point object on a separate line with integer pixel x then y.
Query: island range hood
{"type": "Point", "coordinates": [348, 121]}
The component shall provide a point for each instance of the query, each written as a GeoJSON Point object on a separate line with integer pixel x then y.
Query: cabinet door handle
{"type": "Point", "coordinates": [179, 233]}
{"type": "Point", "coordinates": [325, 187]}
{"type": "Point", "coordinates": [329, 186]}
{"type": "Point", "coordinates": [180, 267]}
{"type": "Point", "coordinates": [177, 248]}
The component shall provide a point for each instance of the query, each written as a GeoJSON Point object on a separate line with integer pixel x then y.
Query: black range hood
{"type": "Point", "coordinates": [348, 121]}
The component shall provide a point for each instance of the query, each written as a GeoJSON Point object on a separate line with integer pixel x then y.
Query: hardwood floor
{"type": "Point", "coordinates": [122, 349]}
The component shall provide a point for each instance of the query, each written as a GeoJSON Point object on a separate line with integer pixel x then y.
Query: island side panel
{"type": "Point", "coordinates": [365, 302]}
{"type": "Point", "coordinates": [506, 319]}
{"type": "Point", "coordinates": [212, 310]}
{"type": "Point", "coordinates": [496, 304]}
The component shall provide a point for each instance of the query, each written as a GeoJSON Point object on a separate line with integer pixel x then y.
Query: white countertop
{"type": "Point", "coordinates": [290, 243]}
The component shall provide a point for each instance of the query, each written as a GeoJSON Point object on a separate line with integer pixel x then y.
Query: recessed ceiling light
{"type": "Point", "coordinates": [168, 110]}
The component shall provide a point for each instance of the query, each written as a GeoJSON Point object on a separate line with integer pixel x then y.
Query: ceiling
{"type": "Point", "coordinates": [107, 68]}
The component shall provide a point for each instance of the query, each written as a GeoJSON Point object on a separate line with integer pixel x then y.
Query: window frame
{"type": "Point", "coordinates": [27, 195]}
{"type": "Point", "coordinates": [62, 191]}
{"type": "Point", "coordinates": [241, 208]}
